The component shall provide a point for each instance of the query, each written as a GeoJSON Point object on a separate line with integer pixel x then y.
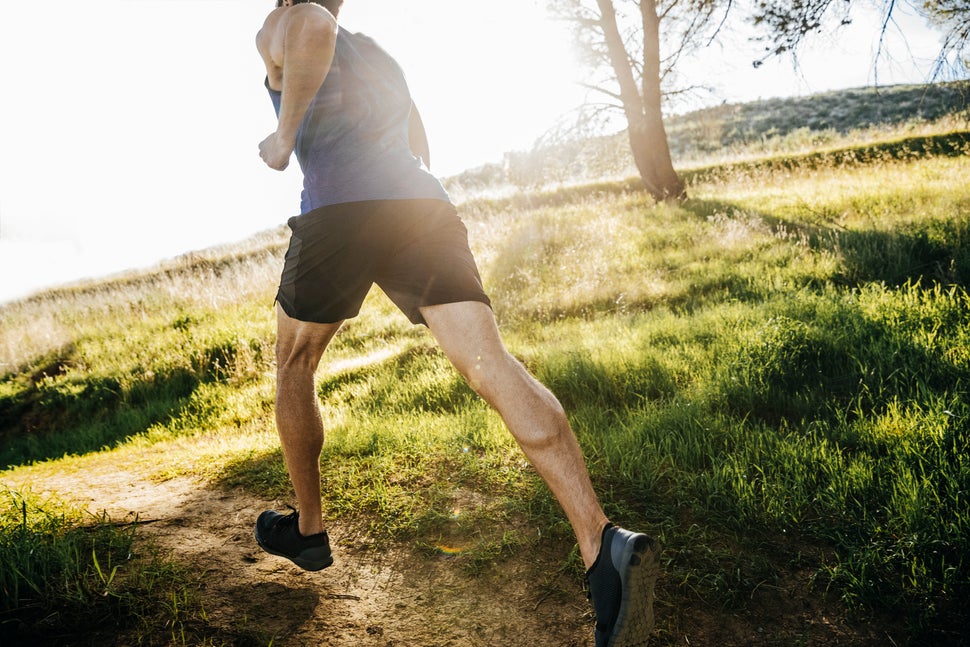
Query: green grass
{"type": "Point", "coordinates": [772, 377]}
{"type": "Point", "coordinates": [67, 579]}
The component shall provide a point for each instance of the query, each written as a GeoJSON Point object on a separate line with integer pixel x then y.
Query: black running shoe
{"type": "Point", "coordinates": [279, 534]}
{"type": "Point", "coordinates": [621, 583]}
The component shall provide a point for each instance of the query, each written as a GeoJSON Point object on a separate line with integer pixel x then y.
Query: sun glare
{"type": "Point", "coordinates": [166, 147]}
{"type": "Point", "coordinates": [487, 77]}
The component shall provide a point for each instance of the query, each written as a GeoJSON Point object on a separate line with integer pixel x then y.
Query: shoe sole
{"type": "Point", "coordinates": [639, 567]}
{"type": "Point", "coordinates": [306, 562]}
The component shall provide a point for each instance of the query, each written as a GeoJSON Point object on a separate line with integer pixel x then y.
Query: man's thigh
{"type": "Point", "coordinates": [467, 333]}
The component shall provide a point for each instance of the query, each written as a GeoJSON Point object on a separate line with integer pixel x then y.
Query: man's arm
{"type": "Point", "coordinates": [417, 137]}
{"type": "Point", "coordinates": [297, 45]}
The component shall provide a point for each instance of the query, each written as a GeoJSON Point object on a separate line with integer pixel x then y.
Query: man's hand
{"type": "Point", "coordinates": [276, 152]}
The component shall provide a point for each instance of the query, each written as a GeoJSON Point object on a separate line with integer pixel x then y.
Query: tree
{"type": "Point", "coordinates": [787, 23]}
{"type": "Point", "coordinates": [640, 42]}
{"type": "Point", "coordinates": [625, 38]}
{"type": "Point", "coordinates": [953, 18]}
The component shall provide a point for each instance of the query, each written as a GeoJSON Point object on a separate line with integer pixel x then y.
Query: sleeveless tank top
{"type": "Point", "coordinates": [353, 142]}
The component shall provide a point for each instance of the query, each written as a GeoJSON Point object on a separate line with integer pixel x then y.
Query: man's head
{"type": "Point", "coordinates": [333, 6]}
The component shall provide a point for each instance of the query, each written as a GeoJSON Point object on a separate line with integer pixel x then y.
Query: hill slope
{"type": "Point", "coordinates": [772, 378]}
{"type": "Point", "coordinates": [736, 131]}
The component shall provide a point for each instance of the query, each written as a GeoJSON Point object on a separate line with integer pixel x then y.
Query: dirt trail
{"type": "Point", "coordinates": [368, 597]}
{"type": "Point", "coordinates": [404, 597]}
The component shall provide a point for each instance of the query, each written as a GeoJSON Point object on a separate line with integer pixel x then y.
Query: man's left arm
{"type": "Point", "coordinates": [417, 137]}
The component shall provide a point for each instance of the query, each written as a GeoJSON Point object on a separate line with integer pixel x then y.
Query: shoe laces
{"type": "Point", "coordinates": [291, 518]}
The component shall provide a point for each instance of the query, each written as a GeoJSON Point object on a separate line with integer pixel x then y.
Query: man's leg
{"type": "Point", "coordinates": [621, 565]}
{"type": "Point", "coordinates": [469, 337]}
{"type": "Point", "coordinates": [299, 347]}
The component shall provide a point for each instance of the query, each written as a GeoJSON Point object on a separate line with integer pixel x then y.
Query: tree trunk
{"type": "Point", "coordinates": [649, 142]}
{"type": "Point", "coordinates": [648, 137]}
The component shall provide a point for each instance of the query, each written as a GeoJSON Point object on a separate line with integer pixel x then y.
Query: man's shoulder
{"type": "Point", "coordinates": [357, 38]}
{"type": "Point", "coordinates": [307, 14]}
{"type": "Point", "coordinates": [272, 20]}
{"type": "Point", "coordinates": [311, 14]}
{"type": "Point", "coordinates": [363, 43]}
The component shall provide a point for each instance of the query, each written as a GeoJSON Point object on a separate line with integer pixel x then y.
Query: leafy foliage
{"type": "Point", "coordinates": [787, 24]}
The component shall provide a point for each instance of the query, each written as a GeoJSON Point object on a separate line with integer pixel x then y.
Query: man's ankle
{"type": "Point", "coordinates": [309, 527]}
{"type": "Point", "coordinates": [595, 546]}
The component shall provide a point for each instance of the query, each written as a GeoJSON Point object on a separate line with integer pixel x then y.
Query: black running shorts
{"type": "Point", "coordinates": [416, 251]}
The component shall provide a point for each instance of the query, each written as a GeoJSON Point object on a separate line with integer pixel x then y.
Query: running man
{"type": "Point", "coordinates": [371, 212]}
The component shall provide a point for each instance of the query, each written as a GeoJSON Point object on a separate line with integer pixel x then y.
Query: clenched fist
{"type": "Point", "coordinates": [276, 152]}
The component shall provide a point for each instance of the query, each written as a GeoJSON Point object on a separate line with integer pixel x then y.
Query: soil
{"type": "Point", "coordinates": [404, 596]}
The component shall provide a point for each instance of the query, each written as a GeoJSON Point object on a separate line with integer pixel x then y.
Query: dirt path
{"type": "Point", "coordinates": [368, 597]}
{"type": "Point", "coordinates": [403, 597]}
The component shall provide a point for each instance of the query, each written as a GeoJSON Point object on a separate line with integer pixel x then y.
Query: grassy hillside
{"type": "Point", "coordinates": [731, 132]}
{"type": "Point", "coordinates": [840, 112]}
{"type": "Point", "coordinates": [772, 378]}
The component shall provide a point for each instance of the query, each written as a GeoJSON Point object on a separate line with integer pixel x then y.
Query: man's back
{"type": "Point", "coordinates": [353, 143]}
{"type": "Point", "coordinates": [353, 137]}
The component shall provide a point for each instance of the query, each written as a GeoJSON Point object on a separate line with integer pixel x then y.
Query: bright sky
{"type": "Point", "coordinates": [128, 129]}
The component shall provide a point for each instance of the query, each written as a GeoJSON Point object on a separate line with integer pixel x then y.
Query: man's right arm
{"type": "Point", "coordinates": [297, 45]}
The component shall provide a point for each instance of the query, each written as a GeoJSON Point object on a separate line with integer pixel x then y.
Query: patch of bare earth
{"type": "Point", "coordinates": [403, 596]}
{"type": "Point", "coordinates": [370, 596]}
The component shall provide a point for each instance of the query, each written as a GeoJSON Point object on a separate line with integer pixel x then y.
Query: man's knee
{"type": "Point", "coordinates": [300, 345]}
{"type": "Point", "coordinates": [514, 392]}
{"type": "Point", "coordinates": [550, 426]}
{"type": "Point", "coordinates": [295, 359]}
